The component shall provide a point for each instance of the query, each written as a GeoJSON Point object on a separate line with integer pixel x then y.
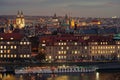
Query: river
{"type": "Point", "coordinates": [65, 76]}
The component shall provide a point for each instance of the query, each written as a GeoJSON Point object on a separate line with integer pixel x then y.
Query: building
{"type": "Point", "coordinates": [14, 46]}
{"type": "Point", "coordinates": [20, 21]}
{"type": "Point", "coordinates": [64, 48]}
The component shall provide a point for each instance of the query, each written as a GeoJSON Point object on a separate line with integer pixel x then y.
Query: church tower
{"type": "Point", "coordinates": [20, 21]}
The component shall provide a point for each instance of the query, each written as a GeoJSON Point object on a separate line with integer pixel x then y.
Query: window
{"type": "Point", "coordinates": [1, 56]}
{"type": "Point", "coordinates": [75, 52]}
{"type": "Point", "coordinates": [28, 55]}
{"type": "Point", "coordinates": [1, 51]}
{"type": "Point", "coordinates": [62, 48]}
{"type": "Point", "coordinates": [11, 38]}
{"type": "Point", "coordinates": [24, 43]}
{"type": "Point", "coordinates": [75, 43]}
{"type": "Point", "coordinates": [8, 56]}
{"type": "Point", "coordinates": [85, 47]}
{"type": "Point", "coordinates": [64, 43]}
{"type": "Point", "coordinates": [8, 42]}
{"type": "Point", "coordinates": [15, 56]}
{"type": "Point", "coordinates": [4, 47]}
{"type": "Point", "coordinates": [11, 56]}
{"type": "Point", "coordinates": [67, 48]}
{"type": "Point", "coordinates": [21, 43]}
{"type": "Point", "coordinates": [58, 43]}
{"type": "Point", "coordinates": [4, 56]}
{"type": "Point", "coordinates": [24, 56]}
{"type": "Point", "coordinates": [43, 44]}
{"type": "Point", "coordinates": [4, 51]}
{"type": "Point", "coordinates": [28, 43]}
{"type": "Point", "coordinates": [8, 51]}
{"type": "Point", "coordinates": [50, 57]}
{"type": "Point", "coordinates": [1, 38]}
{"type": "Point", "coordinates": [21, 56]}
{"type": "Point", "coordinates": [64, 52]}
{"type": "Point", "coordinates": [11, 47]}
{"type": "Point", "coordinates": [15, 47]}
{"type": "Point", "coordinates": [1, 47]}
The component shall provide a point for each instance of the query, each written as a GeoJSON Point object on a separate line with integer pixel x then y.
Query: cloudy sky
{"type": "Point", "coordinates": [80, 8]}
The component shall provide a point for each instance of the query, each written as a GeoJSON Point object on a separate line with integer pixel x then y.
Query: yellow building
{"type": "Point", "coordinates": [20, 21]}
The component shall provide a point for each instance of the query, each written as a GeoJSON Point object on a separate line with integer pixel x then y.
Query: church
{"type": "Point", "coordinates": [20, 21]}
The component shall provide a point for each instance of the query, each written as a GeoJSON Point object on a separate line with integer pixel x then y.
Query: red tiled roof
{"type": "Point", "coordinates": [57, 38]}
{"type": "Point", "coordinates": [11, 36]}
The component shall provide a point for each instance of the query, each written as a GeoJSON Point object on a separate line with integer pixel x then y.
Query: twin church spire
{"type": "Point", "coordinates": [20, 21]}
{"type": "Point", "coordinates": [20, 14]}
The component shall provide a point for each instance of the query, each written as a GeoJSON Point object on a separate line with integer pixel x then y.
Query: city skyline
{"type": "Point", "coordinates": [77, 8]}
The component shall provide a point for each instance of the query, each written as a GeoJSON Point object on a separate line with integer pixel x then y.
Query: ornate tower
{"type": "Point", "coordinates": [20, 21]}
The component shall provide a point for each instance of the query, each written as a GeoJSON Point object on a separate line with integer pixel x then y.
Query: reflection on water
{"type": "Point", "coordinates": [68, 76]}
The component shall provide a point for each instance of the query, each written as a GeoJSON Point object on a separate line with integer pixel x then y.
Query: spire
{"type": "Point", "coordinates": [21, 14]}
{"type": "Point", "coordinates": [66, 16]}
{"type": "Point", "coordinates": [55, 16]}
{"type": "Point", "coordinates": [18, 14]}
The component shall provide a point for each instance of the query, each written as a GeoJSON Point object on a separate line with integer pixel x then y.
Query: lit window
{"type": "Point", "coordinates": [8, 42]}
{"type": "Point", "coordinates": [64, 52]}
{"type": "Point", "coordinates": [8, 51]}
{"type": "Point", "coordinates": [5, 56]}
{"type": "Point", "coordinates": [64, 57]}
{"type": "Point", "coordinates": [75, 52]}
{"type": "Point", "coordinates": [11, 47]}
{"type": "Point", "coordinates": [15, 47]}
{"type": "Point", "coordinates": [4, 47]}
{"type": "Point", "coordinates": [1, 38]}
{"type": "Point", "coordinates": [58, 43]}
{"type": "Point", "coordinates": [24, 56]}
{"type": "Point", "coordinates": [11, 38]}
{"type": "Point", "coordinates": [1, 51]}
{"type": "Point", "coordinates": [59, 52]}
{"type": "Point", "coordinates": [75, 43]}
{"type": "Point", "coordinates": [1, 56]}
{"type": "Point", "coordinates": [15, 56]}
{"type": "Point", "coordinates": [24, 42]}
{"type": "Point", "coordinates": [59, 57]}
{"type": "Point", "coordinates": [21, 56]}
{"type": "Point", "coordinates": [1, 47]}
{"type": "Point", "coordinates": [4, 51]}
{"type": "Point", "coordinates": [50, 57]}
{"type": "Point", "coordinates": [8, 56]}
{"type": "Point", "coordinates": [21, 43]}
{"type": "Point", "coordinates": [61, 47]}
{"type": "Point", "coordinates": [67, 48]}
{"type": "Point", "coordinates": [64, 43]}
{"type": "Point", "coordinates": [43, 44]}
{"type": "Point", "coordinates": [85, 47]}
{"type": "Point", "coordinates": [28, 43]}
{"type": "Point", "coordinates": [28, 55]}
{"type": "Point", "coordinates": [11, 55]}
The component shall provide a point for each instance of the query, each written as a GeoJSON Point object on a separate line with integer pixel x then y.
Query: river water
{"type": "Point", "coordinates": [65, 76]}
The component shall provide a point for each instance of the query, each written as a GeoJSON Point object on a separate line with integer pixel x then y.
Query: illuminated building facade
{"type": "Point", "coordinates": [14, 46]}
{"type": "Point", "coordinates": [20, 21]}
{"type": "Point", "coordinates": [55, 21]}
{"type": "Point", "coordinates": [79, 48]}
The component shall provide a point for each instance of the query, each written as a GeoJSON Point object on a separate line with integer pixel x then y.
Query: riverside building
{"type": "Point", "coordinates": [14, 46]}
{"type": "Point", "coordinates": [62, 48]}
